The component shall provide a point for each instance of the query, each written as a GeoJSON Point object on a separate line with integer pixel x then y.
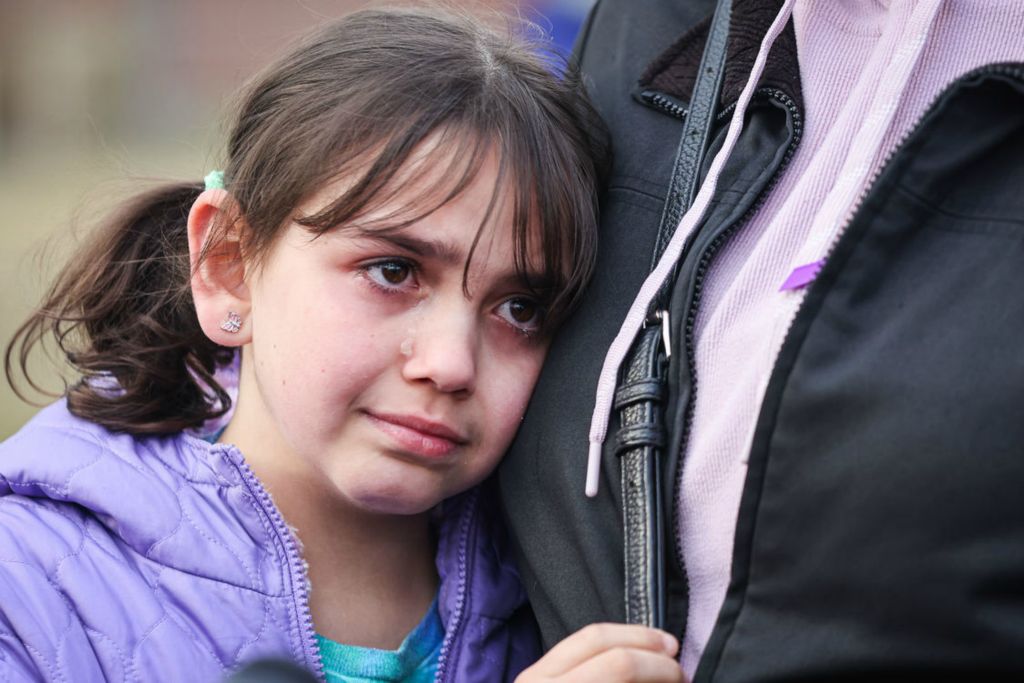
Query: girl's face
{"type": "Point", "coordinates": [375, 367]}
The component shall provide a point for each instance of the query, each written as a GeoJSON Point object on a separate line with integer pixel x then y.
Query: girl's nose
{"type": "Point", "coordinates": [442, 351]}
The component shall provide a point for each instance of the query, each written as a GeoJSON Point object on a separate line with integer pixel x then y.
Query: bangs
{"type": "Point", "coordinates": [416, 173]}
{"type": "Point", "coordinates": [380, 117]}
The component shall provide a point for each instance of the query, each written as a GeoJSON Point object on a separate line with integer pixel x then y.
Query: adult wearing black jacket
{"type": "Point", "coordinates": [880, 531]}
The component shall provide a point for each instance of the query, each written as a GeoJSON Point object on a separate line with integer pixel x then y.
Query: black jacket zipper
{"type": "Point", "coordinates": [664, 103]}
{"type": "Point", "coordinates": [671, 106]}
{"type": "Point", "coordinates": [1013, 71]}
{"type": "Point", "coordinates": [702, 268]}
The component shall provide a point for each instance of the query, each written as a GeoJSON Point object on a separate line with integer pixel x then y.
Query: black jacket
{"type": "Point", "coordinates": [881, 529]}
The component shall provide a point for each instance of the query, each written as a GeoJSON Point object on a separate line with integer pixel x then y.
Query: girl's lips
{"type": "Point", "coordinates": [417, 435]}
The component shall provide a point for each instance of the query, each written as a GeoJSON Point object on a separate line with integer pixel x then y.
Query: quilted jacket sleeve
{"type": "Point", "coordinates": [15, 663]}
{"type": "Point", "coordinates": [41, 635]}
{"type": "Point", "coordinates": [25, 595]}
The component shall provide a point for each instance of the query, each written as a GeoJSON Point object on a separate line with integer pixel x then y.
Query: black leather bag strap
{"type": "Point", "coordinates": [640, 444]}
{"type": "Point", "coordinates": [641, 437]}
{"type": "Point", "coordinates": [696, 137]}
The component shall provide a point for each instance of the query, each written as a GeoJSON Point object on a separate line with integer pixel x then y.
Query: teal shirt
{"type": "Point", "coordinates": [415, 661]}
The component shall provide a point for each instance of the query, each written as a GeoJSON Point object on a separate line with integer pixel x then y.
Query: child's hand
{"type": "Point", "coordinates": [609, 652]}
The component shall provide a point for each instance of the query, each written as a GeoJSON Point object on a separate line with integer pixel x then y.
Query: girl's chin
{"type": "Point", "coordinates": [398, 499]}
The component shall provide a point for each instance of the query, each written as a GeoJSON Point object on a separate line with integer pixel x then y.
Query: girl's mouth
{"type": "Point", "coordinates": [417, 435]}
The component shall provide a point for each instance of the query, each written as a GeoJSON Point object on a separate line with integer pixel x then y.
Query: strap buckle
{"type": "Point", "coordinates": [661, 316]}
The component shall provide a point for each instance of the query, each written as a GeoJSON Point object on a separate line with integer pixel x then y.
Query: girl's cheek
{"type": "Point", "coordinates": [513, 385]}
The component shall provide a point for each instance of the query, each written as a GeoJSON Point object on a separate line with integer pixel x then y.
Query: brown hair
{"type": "Point", "coordinates": [354, 99]}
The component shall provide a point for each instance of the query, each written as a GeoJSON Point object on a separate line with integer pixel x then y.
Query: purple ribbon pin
{"type": "Point", "coordinates": [802, 276]}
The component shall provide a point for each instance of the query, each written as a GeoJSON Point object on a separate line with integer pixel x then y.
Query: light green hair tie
{"type": "Point", "coordinates": [214, 180]}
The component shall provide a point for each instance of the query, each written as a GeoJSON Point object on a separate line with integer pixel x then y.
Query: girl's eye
{"type": "Point", "coordinates": [524, 314]}
{"type": "Point", "coordinates": [390, 274]}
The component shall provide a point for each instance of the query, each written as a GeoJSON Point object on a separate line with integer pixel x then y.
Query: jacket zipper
{"type": "Point", "coordinates": [672, 107]}
{"type": "Point", "coordinates": [664, 103]}
{"type": "Point", "coordinates": [300, 578]}
{"type": "Point", "coordinates": [669, 105]}
{"type": "Point", "coordinates": [454, 629]}
{"type": "Point", "coordinates": [1012, 71]}
{"type": "Point", "coordinates": [987, 70]}
{"type": "Point", "coordinates": [296, 565]}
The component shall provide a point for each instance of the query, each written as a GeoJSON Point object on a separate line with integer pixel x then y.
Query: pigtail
{"type": "Point", "coordinates": [121, 314]}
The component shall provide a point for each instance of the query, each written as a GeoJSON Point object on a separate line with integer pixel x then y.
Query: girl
{"type": "Point", "coordinates": [360, 304]}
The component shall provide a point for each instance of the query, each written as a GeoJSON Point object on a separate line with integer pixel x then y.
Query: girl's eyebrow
{"type": "Point", "coordinates": [438, 250]}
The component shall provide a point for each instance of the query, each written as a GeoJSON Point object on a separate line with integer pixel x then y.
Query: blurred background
{"type": "Point", "coordinates": [97, 96]}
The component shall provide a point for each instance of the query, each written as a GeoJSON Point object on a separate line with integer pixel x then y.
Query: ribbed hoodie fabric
{"type": "Point", "coordinates": [869, 71]}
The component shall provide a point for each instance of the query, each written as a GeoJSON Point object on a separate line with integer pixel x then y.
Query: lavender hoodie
{"type": "Point", "coordinates": [163, 558]}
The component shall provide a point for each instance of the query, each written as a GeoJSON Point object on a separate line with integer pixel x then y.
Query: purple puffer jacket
{"type": "Point", "coordinates": [165, 559]}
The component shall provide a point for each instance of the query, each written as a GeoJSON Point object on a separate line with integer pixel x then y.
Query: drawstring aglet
{"type": "Point", "coordinates": [593, 468]}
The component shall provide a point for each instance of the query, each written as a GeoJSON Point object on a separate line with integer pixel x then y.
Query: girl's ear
{"type": "Point", "coordinates": [219, 290]}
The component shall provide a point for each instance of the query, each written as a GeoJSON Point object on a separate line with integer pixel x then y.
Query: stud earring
{"type": "Point", "coordinates": [232, 324]}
